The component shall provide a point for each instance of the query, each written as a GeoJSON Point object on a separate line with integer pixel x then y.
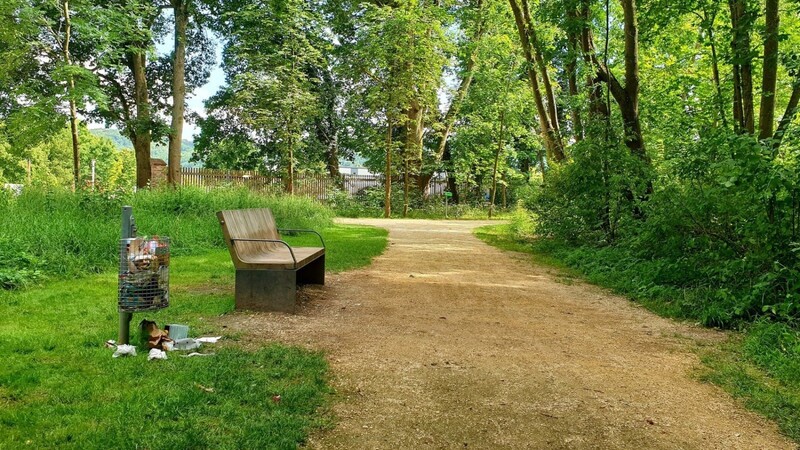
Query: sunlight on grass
{"type": "Point", "coordinates": [59, 387]}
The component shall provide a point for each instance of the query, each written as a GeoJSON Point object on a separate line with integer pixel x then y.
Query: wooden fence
{"type": "Point", "coordinates": [310, 185]}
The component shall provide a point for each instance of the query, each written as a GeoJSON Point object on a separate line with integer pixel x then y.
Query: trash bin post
{"type": "Point", "coordinates": [128, 231]}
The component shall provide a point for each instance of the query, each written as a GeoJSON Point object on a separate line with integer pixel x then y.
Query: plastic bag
{"type": "Point", "coordinates": [124, 350]}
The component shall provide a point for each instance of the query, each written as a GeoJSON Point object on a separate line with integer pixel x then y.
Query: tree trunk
{"type": "Point", "coordinates": [387, 196]}
{"type": "Point", "coordinates": [572, 82]}
{"type": "Point", "coordinates": [551, 140]}
{"type": "Point", "coordinates": [552, 107]}
{"type": "Point", "coordinates": [452, 185]}
{"type": "Point", "coordinates": [414, 135]}
{"type": "Point", "coordinates": [141, 129]}
{"type": "Point", "coordinates": [73, 112]}
{"type": "Point", "coordinates": [290, 163]}
{"type": "Point", "coordinates": [500, 144]}
{"type": "Point", "coordinates": [769, 79]}
{"type": "Point", "coordinates": [788, 117]}
{"type": "Point", "coordinates": [709, 26]}
{"type": "Point", "coordinates": [741, 22]}
{"type": "Point", "coordinates": [180, 8]}
{"type": "Point", "coordinates": [630, 108]}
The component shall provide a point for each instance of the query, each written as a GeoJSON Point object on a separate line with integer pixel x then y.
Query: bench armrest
{"type": "Point", "coordinates": [276, 241]}
{"type": "Point", "coordinates": [289, 230]}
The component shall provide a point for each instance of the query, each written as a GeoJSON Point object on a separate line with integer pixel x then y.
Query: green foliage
{"type": "Point", "coordinates": [51, 162]}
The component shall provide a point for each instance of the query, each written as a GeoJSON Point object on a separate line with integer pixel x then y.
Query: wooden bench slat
{"type": "Point", "coordinates": [281, 259]}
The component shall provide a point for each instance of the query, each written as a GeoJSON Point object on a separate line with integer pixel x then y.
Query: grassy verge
{"type": "Point", "coordinates": [60, 388]}
{"type": "Point", "coordinates": [760, 365]}
{"type": "Point", "coordinates": [58, 234]}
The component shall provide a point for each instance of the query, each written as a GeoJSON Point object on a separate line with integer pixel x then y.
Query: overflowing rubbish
{"type": "Point", "coordinates": [156, 354]}
{"type": "Point", "coordinates": [144, 274]}
{"type": "Point", "coordinates": [125, 350]}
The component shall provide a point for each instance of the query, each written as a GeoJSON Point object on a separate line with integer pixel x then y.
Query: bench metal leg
{"type": "Point", "coordinates": [312, 273]}
{"type": "Point", "coordinates": [266, 290]}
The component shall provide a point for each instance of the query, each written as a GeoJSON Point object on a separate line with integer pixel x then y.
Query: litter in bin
{"type": "Point", "coordinates": [144, 274]}
{"type": "Point", "coordinates": [125, 350]}
{"type": "Point", "coordinates": [156, 354]}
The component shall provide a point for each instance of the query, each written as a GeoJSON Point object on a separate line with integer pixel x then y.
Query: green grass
{"type": "Point", "coordinates": [60, 388]}
{"type": "Point", "coordinates": [760, 365]}
{"type": "Point", "coordinates": [58, 234]}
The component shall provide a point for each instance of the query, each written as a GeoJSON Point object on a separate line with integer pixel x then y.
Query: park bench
{"type": "Point", "coordinates": [268, 270]}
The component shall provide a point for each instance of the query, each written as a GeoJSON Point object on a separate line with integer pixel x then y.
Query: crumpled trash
{"type": "Point", "coordinates": [156, 337]}
{"type": "Point", "coordinates": [124, 350]}
{"type": "Point", "coordinates": [156, 354]}
{"type": "Point", "coordinates": [186, 344]}
{"type": "Point", "coordinates": [209, 340]}
{"type": "Point", "coordinates": [197, 354]}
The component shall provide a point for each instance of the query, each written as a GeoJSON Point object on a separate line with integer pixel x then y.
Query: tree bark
{"type": "Point", "coordinates": [572, 82]}
{"type": "Point", "coordinates": [741, 22]}
{"type": "Point", "coordinates": [452, 185]}
{"type": "Point", "coordinates": [180, 8]}
{"type": "Point", "coordinates": [788, 117]}
{"type": "Point", "coordinates": [630, 107]}
{"type": "Point", "coordinates": [551, 140]}
{"type": "Point", "coordinates": [500, 144]}
{"type": "Point", "coordinates": [141, 134]}
{"type": "Point", "coordinates": [770, 71]}
{"type": "Point", "coordinates": [73, 112]}
{"type": "Point", "coordinates": [597, 107]}
{"type": "Point", "coordinates": [715, 68]}
{"type": "Point", "coordinates": [387, 196]}
{"type": "Point", "coordinates": [552, 107]}
{"type": "Point", "coordinates": [627, 97]}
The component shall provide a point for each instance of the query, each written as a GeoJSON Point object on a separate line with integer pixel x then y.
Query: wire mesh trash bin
{"type": "Point", "coordinates": [143, 274]}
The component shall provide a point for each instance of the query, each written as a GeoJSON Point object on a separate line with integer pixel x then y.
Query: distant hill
{"type": "Point", "coordinates": [159, 151]}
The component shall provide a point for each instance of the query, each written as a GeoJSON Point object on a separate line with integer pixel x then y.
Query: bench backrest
{"type": "Point", "coordinates": [249, 224]}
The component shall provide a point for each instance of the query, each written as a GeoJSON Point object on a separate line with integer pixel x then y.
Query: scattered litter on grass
{"type": "Point", "coordinates": [197, 354]}
{"type": "Point", "coordinates": [125, 350]}
{"type": "Point", "coordinates": [203, 388]}
{"type": "Point", "coordinates": [209, 340]}
{"type": "Point", "coordinates": [156, 337]}
{"type": "Point", "coordinates": [187, 344]}
{"type": "Point", "coordinates": [276, 398]}
{"type": "Point", "coordinates": [177, 331]}
{"type": "Point", "coordinates": [156, 354]}
{"type": "Point", "coordinates": [111, 343]}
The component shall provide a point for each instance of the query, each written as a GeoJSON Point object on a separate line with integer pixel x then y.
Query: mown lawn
{"type": "Point", "coordinates": [59, 386]}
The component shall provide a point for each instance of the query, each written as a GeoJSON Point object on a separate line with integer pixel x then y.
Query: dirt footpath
{"type": "Point", "coordinates": [446, 342]}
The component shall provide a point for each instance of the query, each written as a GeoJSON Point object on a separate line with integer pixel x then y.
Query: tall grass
{"type": "Point", "coordinates": [62, 234]}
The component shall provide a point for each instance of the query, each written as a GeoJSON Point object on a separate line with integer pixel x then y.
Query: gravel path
{"type": "Point", "coordinates": [446, 342]}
